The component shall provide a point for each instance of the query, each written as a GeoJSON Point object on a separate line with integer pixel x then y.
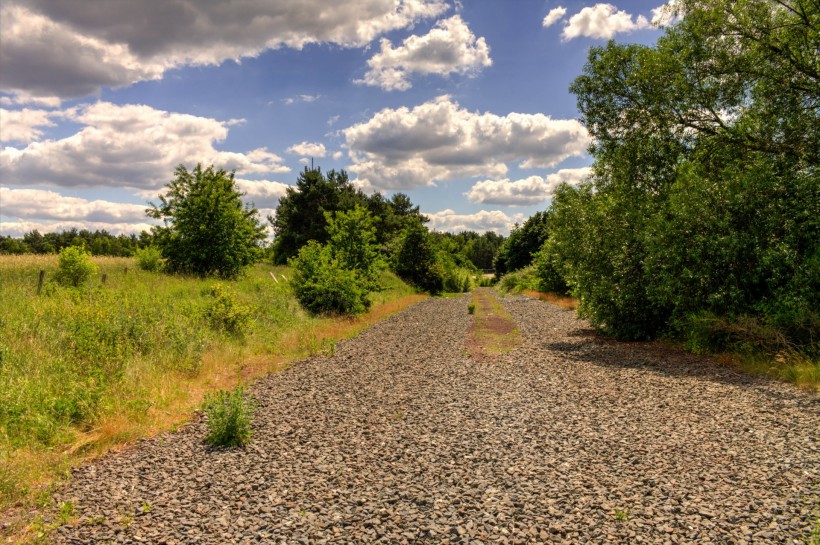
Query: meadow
{"type": "Point", "coordinates": [89, 369]}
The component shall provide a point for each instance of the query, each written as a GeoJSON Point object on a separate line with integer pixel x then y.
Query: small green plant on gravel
{"type": "Point", "coordinates": [229, 417]}
{"type": "Point", "coordinates": [621, 515]}
{"type": "Point", "coordinates": [75, 267]}
{"type": "Point", "coordinates": [226, 313]}
{"type": "Point", "coordinates": [146, 507]}
{"type": "Point", "coordinates": [471, 308]}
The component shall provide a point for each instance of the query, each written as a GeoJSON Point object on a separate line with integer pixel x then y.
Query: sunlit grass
{"type": "Point", "coordinates": [84, 371]}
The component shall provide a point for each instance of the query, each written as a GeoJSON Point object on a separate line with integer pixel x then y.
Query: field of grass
{"type": "Point", "coordinates": [85, 370]}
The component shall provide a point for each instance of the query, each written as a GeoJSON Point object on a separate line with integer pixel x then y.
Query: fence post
{"type": "Point", "coordinates": [104, 278]}
{"type": "Point", "coordinates": [40, 281]}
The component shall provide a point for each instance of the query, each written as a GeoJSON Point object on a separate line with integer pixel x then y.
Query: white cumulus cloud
{"type": "Point", "coordinates": [73, 48]}
{"type": "Point", "coordinates": [554, 15]}
{"type": "Point", "coordinates": [525, 192]}
{"type": "Point", "coordinates": [483, 220]}
{"type": "Point", "coordinates": [23, 125]}
{"type": "Point", "coordinates": [41, 204]}
{"type": "Point", "coordinates": [405, 148]}
{"type": "Point", "coordinates": [308, 149]}
{"type": "Point", "coordinates": [449, 48]}
{"type": "Point", "coordinates": [128, 146]}
{"type": "Point", "coordinates": [602, 21]}
{"type": "Point", "coordinates": [262, 193]}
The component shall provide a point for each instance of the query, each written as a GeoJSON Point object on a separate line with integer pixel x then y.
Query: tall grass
{"type": "Point", "coordinates": [82, 369]}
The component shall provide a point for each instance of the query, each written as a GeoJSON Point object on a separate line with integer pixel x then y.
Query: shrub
{"type": "Point", "coordinates": [471, 308]}
{"type": "Point", "coordinates": [226, 313]}
{"type": "Point", "coordinates": [229, 417]}
{"type": "Point", "coordinates": [322, 285]}
{"type": "Point", "coordinates": [416, 260]}
{"type": "Point", "coordinates": [547, 271]}
{"type": "Point", "coordinates": [518, 281]}
{"type": "Point", "coordinates": [149, 259]}
{"type": "Point", "coordinates": [75, 266]}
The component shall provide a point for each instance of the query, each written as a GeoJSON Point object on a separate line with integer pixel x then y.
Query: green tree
{"type": "Point", "coordinates": [337, 277]}
{"type": "Point", "coordinates": [517, 250]}
{"type": "Point", "coordinates": [300, 215]}
{"type": "Point", "coordinates": [207, 230]}
{"type": "Point", "coordinates": [416, 259]}
{"type": "Point", "coordinates": [706, 194]}
{"type": "Point", "coordinates": [353, 243]}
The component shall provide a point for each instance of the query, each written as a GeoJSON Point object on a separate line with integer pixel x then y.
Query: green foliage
{"type": "Point", "coordinates": [353, 243]}
{"type": "Point", "coordinates": [322, 285]}
{"type": "Point", "coordinates": [207, 231]}
{"type": "Point", "coordinates": [302, 214]}
{"type": "Point", "coordinates": [701, 219]}
{"type": "Point", "coordinates": [518, 281]}
{"type": "Point", "coordinates": [75, 267]}
{"type": "Point", "coordinates": [548, 271]}
{"type": "Point", "coordinates": [226, 313]}
{"type": "Point", "coordinates": [149, 259]}
{"type": "Point", "coordinates": [517, 250]}
{"type": "Point", "coordinates": [101, 242]}
{"type": "Point", "coordinates": [338, 276]}
{"type": "Point", "coordinates": [230, 415]}
{"type": "Point", "coordinates": [455, 278]}
{"type": "Point", "coordinates": [416, 260]}
{"type": "Point", "coordinates": [471, 308]}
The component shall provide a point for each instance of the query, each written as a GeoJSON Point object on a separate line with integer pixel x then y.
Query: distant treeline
{"type": "Point", "coordinates": [99, 242]}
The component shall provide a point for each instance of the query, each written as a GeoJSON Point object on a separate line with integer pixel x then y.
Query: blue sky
{"type": "Point", "coordinates": [463, 105]}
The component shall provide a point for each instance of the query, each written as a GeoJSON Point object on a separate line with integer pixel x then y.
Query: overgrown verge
{"type": "Point", "coordinates": [86, 369]}
{"type": "Point", "coordinates": [493, 330]}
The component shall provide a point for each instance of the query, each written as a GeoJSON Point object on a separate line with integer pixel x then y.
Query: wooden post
{"type": "Point", "coordinates": [40, 281]}
{"type": "Point", "coordinates": [104, 278]}
{"type": "Point", "coordinates": [126, 270]}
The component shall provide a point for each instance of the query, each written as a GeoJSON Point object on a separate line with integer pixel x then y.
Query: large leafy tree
{"type": "Point", "coordinates": [706, 193]}
{"type": "Point", "coordinates": [206, 228]}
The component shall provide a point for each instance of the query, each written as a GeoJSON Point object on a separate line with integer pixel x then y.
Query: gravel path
{"type": "Point", "coordinates": [400, 437]}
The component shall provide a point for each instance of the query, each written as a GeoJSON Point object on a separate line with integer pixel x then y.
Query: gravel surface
{"type": "Point", "coordinates": [400, 437]}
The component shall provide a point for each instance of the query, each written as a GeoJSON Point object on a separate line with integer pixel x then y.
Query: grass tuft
{"type": "Point", "coordinates": [229, 414]}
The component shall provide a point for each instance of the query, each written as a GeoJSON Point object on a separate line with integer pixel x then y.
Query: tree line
{"type": "Point", "coordinates": [99, 242]}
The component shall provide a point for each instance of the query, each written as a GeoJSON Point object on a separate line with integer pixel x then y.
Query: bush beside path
{"type": "Point", "coordinates": [400, 436]}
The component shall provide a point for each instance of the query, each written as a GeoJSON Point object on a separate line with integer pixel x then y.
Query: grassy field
{"type": "Point", "coordinates": [85, 370]}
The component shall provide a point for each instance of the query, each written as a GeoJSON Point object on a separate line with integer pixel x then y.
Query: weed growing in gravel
{"type": "Point", "coordinates": [471, 308]}
{"type": "Point", "coordinates": [621, 515]}
{"type": "Point", "coordinates": [66, 511]}
{"type": "Point", "coordinates": [229, 417]}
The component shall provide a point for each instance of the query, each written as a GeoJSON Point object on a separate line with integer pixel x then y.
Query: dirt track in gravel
{"type": "Point", "coordinates": [401, 437]}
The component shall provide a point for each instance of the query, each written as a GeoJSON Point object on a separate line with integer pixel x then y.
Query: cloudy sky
{"type": "Point", "coordinates": [463, 105]}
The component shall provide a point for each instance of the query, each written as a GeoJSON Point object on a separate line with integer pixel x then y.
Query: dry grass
{"type": "Point", "coordinates": [493, 330]}
{"type": "Point", "coordinates": [566, 303]}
